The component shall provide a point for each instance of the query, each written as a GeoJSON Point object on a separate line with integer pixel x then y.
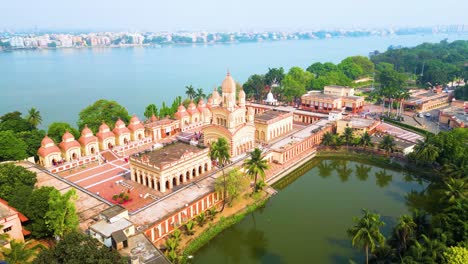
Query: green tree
{"type": "Point", "coordinates": [33, 140]}
{"type": "Point", "coordinates": [14, 122]}
{"type": "Point", "coordinates": [274, 75]}
{"type": "Point", "coordinates": [327, 139]}
{"type": "Point", "coordinates": [20, 253]}
{"type": "Point", "coordinates": [456, 190]}
{"type": "Point", "coordinates": [366, 232]}
{"type": "Point", "coordinates": [424, 153]}
{"type": "Point", "coordinates": [296, 82]}
{"type": "Point", "coordinates": [365, 140]}
{"type": "Point", "coordinates": [387, 144]}
{"type": "Point", "coordinates": [34, 117]}
{"type": "Point", "coordinates": [12, 147]}
{"type": "Point", "coordinates": [189, 227]}
{"type": "Point", "coordinates": [404, 231]}
{"type": "Point", "coordinates": [254, 86]}
{"type": "Point", "coordinates": [151, 110]}
{"type": "Point", "coordinates": [200, 95]}
{"type": "Point", "coordinates": [102, 111]}
{"type": "Point", "coordinates": [456, 255]}
{"type": "Point", "coordinates": [236, 183]}
{"type": "Point", "coordinates": [348, 136]}
{"type": "Point", "coordinates": [256, 165]}
{"type": "Point", "coordinates": [350, 68]}
{"type": "Point", "coordinates": [220, 152]}
{"type": "Point", "coordinates": [190, 92]}
{"type": "Point", "coordinates": [12, 177]}
{"type": "Point", "coordinates": [61, 218]}
{"type": "Point", "coordinates": [38, 206]}
{"type": "Point", "coordinates": [57, 129]}
{"type": "Point", "coordinates": [76, 247]}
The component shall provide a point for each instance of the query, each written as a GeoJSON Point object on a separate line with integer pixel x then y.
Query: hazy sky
{"type": "Point", "coordinates": [159, 15]}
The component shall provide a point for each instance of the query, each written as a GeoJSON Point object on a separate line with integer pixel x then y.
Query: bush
{"type": "Point", "coordinates": [114, 197]}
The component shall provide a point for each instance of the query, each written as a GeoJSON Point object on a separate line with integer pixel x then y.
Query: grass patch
{"type": "Point", "coordinates": [368, 159]}
{"type": "Point", "coordinates": [222, 224]}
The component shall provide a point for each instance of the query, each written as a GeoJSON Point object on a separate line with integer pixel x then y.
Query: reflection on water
{"type": "Point", "coordinates": [306, 221]}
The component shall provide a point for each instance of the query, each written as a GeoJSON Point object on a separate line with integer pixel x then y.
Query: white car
{"type": "Point", "coordinates": [420, 115]}
{"type": "Point", "coordinates": [428, 114]}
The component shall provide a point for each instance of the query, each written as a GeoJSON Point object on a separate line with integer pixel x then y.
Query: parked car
{"type": "Point", "coordinates": [428, 114]}
{"type": "Point", "coordinates": [420, 115]}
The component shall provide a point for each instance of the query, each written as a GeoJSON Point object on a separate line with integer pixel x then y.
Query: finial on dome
{"type": "Point", "coordinates": [228, 73]}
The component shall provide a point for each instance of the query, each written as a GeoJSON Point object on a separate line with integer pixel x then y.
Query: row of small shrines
{"type": "Point", "coordinates": [88, 144]}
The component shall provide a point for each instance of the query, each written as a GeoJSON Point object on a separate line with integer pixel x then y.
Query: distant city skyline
{"type": "Point", "coordinates": [240, 15]}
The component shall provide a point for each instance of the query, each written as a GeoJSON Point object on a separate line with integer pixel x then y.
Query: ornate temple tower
{"type": "Point", "coordinates": [229, 93]}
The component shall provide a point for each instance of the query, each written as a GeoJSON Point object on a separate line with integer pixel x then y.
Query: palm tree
{"type": "Point", "coordinates": [365, 140]}
{"type": "Point", "coordinates": [388, 144]}
{"type": "Point", "coordinates": [34, 117]}
{"type": "Point", "coordinates": [425, 152]}
{"type": "Point", "coordinates": [190, 91]}
{"type": "Point", "coordinates": [456, 190]}
{"type": "Point", "coordinates": [348, 136]}
{"type": "Point", "coordinates": [362, 171]}
{"type": "Point", "coordinates": [404, 230]}
{"type": "Point", "coordinates": [327, 139]}
{"type": "Point", "coordinates": [255, 166]}
{"type": "Point", "coordinates": [404, 95]}
{"type": "Point", "coordinates": [20, 253]}
{"type": "Point", "coordinates": [220, 152]}
{"type": "Point", "coordinates": [200, 94]}
{"type": "Point", "coordinates": [453, 171]}
{"type": "Point", "coordinates": [366, 232]}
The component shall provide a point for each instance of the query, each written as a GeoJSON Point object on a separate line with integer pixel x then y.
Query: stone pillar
{"type": "Point", "coordinates": [163, 185]}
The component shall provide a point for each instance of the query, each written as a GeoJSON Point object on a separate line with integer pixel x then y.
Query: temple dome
{"type": "Point", "coordinates": [86, 131]}
{"type": "Point", "coordinates": [47, 141]}
{"type": "Point", "coordinates": [181, 108]}
{"type": "Point", "coordinates": [153, 118]}
{"type": "Point", "coordinates": [119, 123]}
{"type": "Point", "coordinates": [134, 119]}
{"type": "Point", "coordinates": [67, 137]}
{"type": "Point", "coordinates": [104, 127]}
{"type": "Point", "coordinates": [228, 85]}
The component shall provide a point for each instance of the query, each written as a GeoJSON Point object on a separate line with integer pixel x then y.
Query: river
{"type": "Point", "coordinates": [59, 83]}
{"type": "Point", "coordinates": [306, 221]}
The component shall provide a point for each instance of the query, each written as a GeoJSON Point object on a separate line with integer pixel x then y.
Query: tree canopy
{"type": "Point", "coordinates": [12, 177]}
{"type": "Point", "coordinates": [102, 111]}
{"type": "Point", "coordinates": [14, 122]}
{"type": "Point", "coordinates": [76, 247]}
{"type": "Point", "coordinates": [57, 129]}
{"type": "Point", "coordinates": [12, 147]}
{"type": "Point", "coordinates": [61, 217]}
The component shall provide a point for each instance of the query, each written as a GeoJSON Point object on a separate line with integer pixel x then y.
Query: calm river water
{"type": "Point", "coordinates": [306, 221]}
{"type": "Point", "coordinates": [62, 82]}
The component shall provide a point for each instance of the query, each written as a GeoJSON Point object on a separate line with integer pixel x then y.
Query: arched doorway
{"type": "Point", "coordinates": [125, 140]}
{"type": "Point", "coordinates": [181, 178]}
{"type": "Point", "coordinates": [74, 156]}
{"type": "Point", "coordinates": [187, 174]}
{"type": "Point", "coordinates": [158, 185]}
{"type": "Point", "coordinates": [92, 150]}
{"type": "Point", "coordinates": [54, 162]}
{"type": "Point", "coordinates": [109, 145]}
{"type": "Point", "coordinates": [194, 172]}
{"type": "Point", "coordinates": [152, 183]}
{"type": "Point", "coordinates": [174, 181]}
{"type": "Point", "coordinates": [199, 170]}
{"type": "Point", "coordinates": [206, 167]}
{"type": "Point", "coordinates": [167, 185]}
{"type": "Point", "coordinates": [140, 136]}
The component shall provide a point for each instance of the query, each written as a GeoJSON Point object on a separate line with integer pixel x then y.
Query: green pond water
{"type": "Point", "coordinates": [306, 221]}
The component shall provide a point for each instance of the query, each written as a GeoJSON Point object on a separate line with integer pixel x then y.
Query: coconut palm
{"type": "Point", "coordinates": [456, 190]}
{"type": "Point", "coordinates": [34, 117]}
{"type": "Point", "coordinates": [328, 139]}
{"type": "Point", "coordinates": [387, 144]}
{"type": "Point", "coordinates": [404, 230]}
{"type": "Point", "coordinates": [425, 152]}
{"type": "Point", "coordinates": [190, 91]}
{"type": "Point", "coordinates": [256, 166]}
{"type": "Point", "coordinates": [453, 171]}
{"type": "Point", "coordinates": [200, 94]}
{"type": "Point", "coordinates": [366, 232]}
{"type": "Point", "coordinates": [365, 140]}
{"type": "Point", "coordinates": [220, 152]}
{"type": "Point", "coordinates": [362, 171]}
{"type": "Point", "coordinates": [348, 136]}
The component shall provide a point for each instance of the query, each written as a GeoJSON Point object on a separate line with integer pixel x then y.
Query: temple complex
{"type": "Point", "coordinates": [332, 98]}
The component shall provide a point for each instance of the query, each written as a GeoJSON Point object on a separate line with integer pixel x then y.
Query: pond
{"type": "Point", "coordinates": [306, 221]}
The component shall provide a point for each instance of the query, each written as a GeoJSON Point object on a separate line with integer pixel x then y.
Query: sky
{"type": "Point", "coordinates": [222, 15]}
